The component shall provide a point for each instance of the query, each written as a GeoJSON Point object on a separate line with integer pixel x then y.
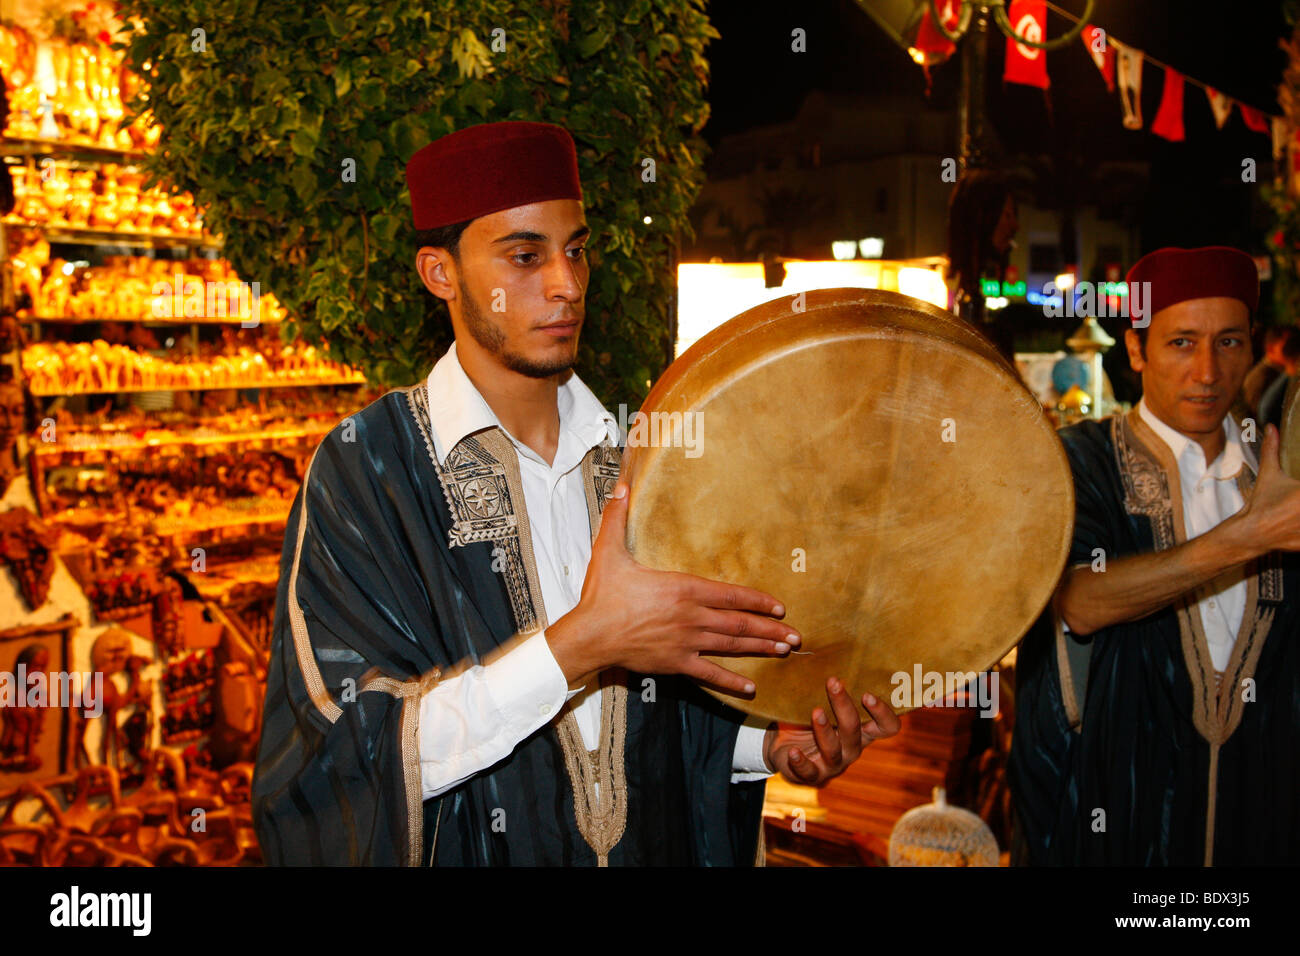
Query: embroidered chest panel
{"type": "Point", "coordinates": [485, 497]}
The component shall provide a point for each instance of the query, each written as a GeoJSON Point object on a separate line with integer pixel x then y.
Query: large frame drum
{"type": "Point", "coordinates": [873, 463]}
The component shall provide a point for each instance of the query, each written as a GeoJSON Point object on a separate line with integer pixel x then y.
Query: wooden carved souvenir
{"type": "Point", "coordinates": [26, 546]}
{"type": "Point", "coordinates": [11, 424]}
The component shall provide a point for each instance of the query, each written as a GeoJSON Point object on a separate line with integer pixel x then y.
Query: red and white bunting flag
{"type": "Point", "coordinates": [1102, 53]}
{"type": "Point", "coordinates": [1253, 118]}
{"type": "Point", "coordinates": [1169, 118]}
{"type": "Point", "coordinates": [1220, 106]}
{"type": "Point", "coordinates": [1128, 67]}
{"type": "Point", "coordinates": [929, 40]}
{"type": "Point", "coordinates": [1027, 64]}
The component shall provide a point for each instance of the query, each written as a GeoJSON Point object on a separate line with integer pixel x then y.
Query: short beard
{"type": "Point", "coordinates": [493, 340]}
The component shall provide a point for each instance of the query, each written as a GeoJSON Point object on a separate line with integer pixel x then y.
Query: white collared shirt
{"type": "Point", "coordinates": [471, 721]}
{"type": "Point", "coordinates": [1210, 496]}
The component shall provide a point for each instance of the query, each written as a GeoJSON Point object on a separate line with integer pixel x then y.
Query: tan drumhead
{"type": "Point", "coordinates": [1290, 431]}
{"type": "Point", "coordinates": [874, 464]}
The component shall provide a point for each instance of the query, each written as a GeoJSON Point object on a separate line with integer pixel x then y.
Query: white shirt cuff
{"type": "Point", "coordinates": [471, 721]}
{"type": "Point", "coordinates": [527, 684]}
{"type": "Point", "coordinates": [747, 762]}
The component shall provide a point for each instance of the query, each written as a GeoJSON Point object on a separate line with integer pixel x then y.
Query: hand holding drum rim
{"type": "Point", "coordinates": [814, 754]}
{"type": "Point", "coordinates": [660, 622]}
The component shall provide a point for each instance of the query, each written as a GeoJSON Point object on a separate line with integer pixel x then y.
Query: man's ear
{"type": "Point", "coordinates": [437, 269]}
{"type": "Point", "coordinates": [1133, 344]}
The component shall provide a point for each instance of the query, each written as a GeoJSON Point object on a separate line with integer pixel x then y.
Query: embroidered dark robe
{"type": "Point", "coordinates": [1124, 750]}
{"type": "Point", "coordinates": [387, 585]}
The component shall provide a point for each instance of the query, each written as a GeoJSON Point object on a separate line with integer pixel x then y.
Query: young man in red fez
{"type": "Point", "coordinates": [468, 667]}
{"type": "Point", "coordinates": [1157, 721]}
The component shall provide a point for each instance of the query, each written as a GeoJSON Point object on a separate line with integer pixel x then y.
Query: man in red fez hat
{"type": "Point", "coordinates": [460, 674]}
{"type": "Point", "coordinates": [1156, 716]}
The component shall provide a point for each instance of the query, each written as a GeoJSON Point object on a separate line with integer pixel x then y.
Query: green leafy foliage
{"type": "Point", "coordinates": [259, 125]}
{"type": "Point", "coordinates": [1284, 244]}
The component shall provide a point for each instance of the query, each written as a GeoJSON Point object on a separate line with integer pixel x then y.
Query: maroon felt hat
{"type": "Point", "coordinates": [489, 167]}
{"type": "Point", "coordinates": [1177, 275]}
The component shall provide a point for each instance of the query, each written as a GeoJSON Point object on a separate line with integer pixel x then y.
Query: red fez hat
{"type": "Point", "coordinates": [489, 167]}
{"type": "Point", "coordinates": [1177, 275]}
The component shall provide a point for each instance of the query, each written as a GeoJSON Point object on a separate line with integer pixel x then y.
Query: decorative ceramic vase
{"type": "Point", "coordinates": [106, 211]}
{"type": "Point", "coordinates": [57, 194]}
{"type": "Point", "coordinates": [81, 199]}
{"type": "Point", "coordinates": [57, 88]}
{"type": "Point", "coordinates": [83, 119]}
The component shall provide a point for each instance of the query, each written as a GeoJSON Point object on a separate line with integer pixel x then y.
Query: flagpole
{"type": "Point", "coordinates": [972, 115]}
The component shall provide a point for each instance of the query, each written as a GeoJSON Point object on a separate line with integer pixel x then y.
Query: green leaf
{"type": "Point", "coordinates": [591, 44]}
{"type": "Point", "coordinates": [303, 142]}
{"type": "Point", "coordinates": [303, 180]}
{"type": "Point", "coordinates": [338, 25]}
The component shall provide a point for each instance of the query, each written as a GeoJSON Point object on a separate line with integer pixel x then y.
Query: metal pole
{"type": "Point", "coordinates": [972, 113]}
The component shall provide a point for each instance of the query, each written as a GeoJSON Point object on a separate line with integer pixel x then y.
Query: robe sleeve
{"type": "Point", "coordinates": [337, 779]}
{"type": "Point", "coordinates": [708, 746]}
{"type": "Point", "coordinates": [1094, 503]}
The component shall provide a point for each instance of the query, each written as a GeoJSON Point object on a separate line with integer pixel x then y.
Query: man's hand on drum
{"type": "Point", "coordinates": [814, 754]}
{"type": "Point", "coordinates": [660, 622]}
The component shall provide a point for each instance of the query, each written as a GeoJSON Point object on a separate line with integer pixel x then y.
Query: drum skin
{"type": "Point", "coordinates": [1289, 452]}
{"type": "Point", "coordinates": [874, 464]}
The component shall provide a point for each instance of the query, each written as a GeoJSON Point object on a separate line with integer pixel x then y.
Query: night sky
{"type": "Point", "coordinates": [1195, 194]}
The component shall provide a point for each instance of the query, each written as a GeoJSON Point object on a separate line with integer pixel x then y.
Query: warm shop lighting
{"type": "Point", "coordinates": [925, 284]}
{"type": "Point", "coordinates": [647, 220]}
{"type": "Point", "coordinates": [872, 247]}
{"type": "Point", "coordinates": [710, 293]}
{"type": "Point", "coordinates": [1065, 280]}
{"type": "Point", "coordinates": [843, 249]}
{"type": "Point", "coordinates": [917, 56]}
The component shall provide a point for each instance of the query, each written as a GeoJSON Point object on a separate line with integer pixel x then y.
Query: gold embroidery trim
{"type": "Point", "coordinates": [298, 624]}
{"type": "Point", "coordinates": [1073, 714]}
{"type": "Point", "coordinates": [602, 820]}
{"type": "Point", "coordinates": [409, 692]}
{"type": "Point", "coordinates": [1215, 714]}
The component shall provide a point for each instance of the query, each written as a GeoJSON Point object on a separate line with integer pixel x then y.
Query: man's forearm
{"type": "Point", "coordinates": [1131, 588]}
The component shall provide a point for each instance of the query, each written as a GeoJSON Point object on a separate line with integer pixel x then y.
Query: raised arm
{"type": "Point", "coordinates": [1133, 587]}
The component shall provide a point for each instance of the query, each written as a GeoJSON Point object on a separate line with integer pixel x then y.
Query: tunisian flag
{"type": "Point", "coordinates": [1169, 118]}
{"type": "Point", "coordinates": [929, 40]}
{"type": "Point", "coordinates": [1253, 118]}
{"type": "Point", "coordinates": [1102, 53]}
{"type": "Point", "coordinates": [1027, 64]}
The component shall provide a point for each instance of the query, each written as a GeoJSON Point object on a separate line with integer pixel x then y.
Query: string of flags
{"type": "Point", "coordinates": [1120, 64]}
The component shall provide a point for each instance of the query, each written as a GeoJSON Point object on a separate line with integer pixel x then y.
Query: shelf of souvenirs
{"type": "Point", "coordinates": [101, 205]}
{"type": "Point", "coordinates": [218, 582]}
{"type": "Point", "coordinates": [123, 288]}
{"type": "Point", "coordinates": [78, 527]}
{"type": "Point", "coordinates": [356, 379]}
{"type": "Point", "coordinates": [73, 88]}
{"type": "Point", "coordinates": [24, 316]}
{"type": "Point", "coordinates": [96, 368]}
{"type": "Point", "coordinates": [296, 416]}
{"type": "Point", "coordinates": [21, 147]}
{"type": "Point", "coordinates": [98, 442]}
{"type": "Point", "coordinates": [69, 235]}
